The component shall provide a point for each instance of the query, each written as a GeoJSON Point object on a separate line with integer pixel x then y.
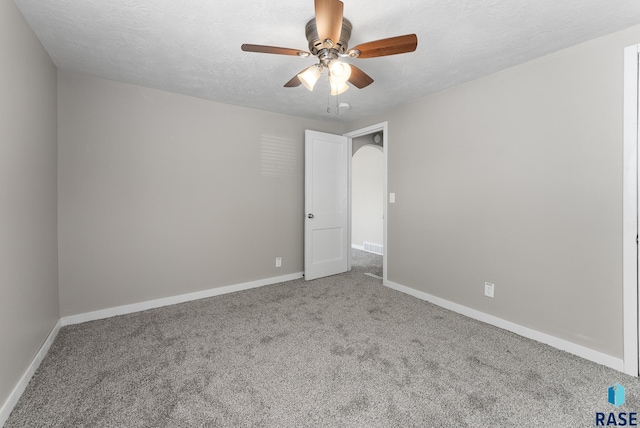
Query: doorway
{"type": "Point", "coordinates": [367, 174]}
{"type": "Point", "coordinates": [368, 200]}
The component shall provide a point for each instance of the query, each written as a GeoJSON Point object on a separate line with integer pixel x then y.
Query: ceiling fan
{"type": "Point", "coordinates": [328, 35]}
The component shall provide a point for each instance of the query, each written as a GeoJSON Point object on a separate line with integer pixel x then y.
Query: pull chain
{"type": "Point", "coordinates": [329, 105]}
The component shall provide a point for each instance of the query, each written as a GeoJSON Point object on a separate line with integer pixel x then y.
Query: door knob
{"type": "Point", "coordinates": [310, 215]}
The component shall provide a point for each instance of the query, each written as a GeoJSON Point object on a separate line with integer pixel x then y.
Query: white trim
{"type": "Point", "coordinates": [384, 127]}
{"type": "Point", "coordinates": [349, 200]}
{"type": "Point", "coordinates": [630, 213]}
{"type": "Point", "coordinates": [357, 247]}
{"type": "Point", "coordinates": [579, 350]}
{"type": "Point", "coordinates": [157, 303]}
{"type": "Point", "coordinates": [14, 396]}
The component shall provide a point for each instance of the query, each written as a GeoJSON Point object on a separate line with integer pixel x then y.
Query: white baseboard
{"type": "Point", "coordinates": [157, 303]}
{"type": "Point", "coordinates": [564, 345]}
{"type": "Point", "coordinates": [357, 247]}
{"type": "Point", "coordinates": [14, 396]}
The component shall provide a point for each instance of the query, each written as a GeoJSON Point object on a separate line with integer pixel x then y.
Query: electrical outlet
{"type": "Point", "coordinates": [278, 261]}
{"type": "Point", "coordinates": [488, 289]}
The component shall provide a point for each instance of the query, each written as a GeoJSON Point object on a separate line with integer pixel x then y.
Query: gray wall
{"type": "Point", "coordinates": [28, 246]}
{"type": "Point", "coordinates": [358, 142]}
{"type": "Point", "coordinates": [162, 194]}
{"type": "Point", "coordinates": [516, 179]}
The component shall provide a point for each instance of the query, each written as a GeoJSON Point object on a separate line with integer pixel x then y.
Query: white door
{"type": "Point", "coordinates": [326, 199]}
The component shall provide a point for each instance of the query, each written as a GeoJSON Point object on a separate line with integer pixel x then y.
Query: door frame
{"type": "Point", "coordinates": [630, 261]}
{"type": "Point", "coordinates": [384, 127]}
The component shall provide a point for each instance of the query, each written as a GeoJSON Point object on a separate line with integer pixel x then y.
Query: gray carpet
{"type": "Point", "coordinates": [342, 351]}
{"type": "Point", "coordinates": [362, 261]}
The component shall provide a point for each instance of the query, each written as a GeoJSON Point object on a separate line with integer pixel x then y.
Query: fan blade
{"type": "Point", "coordinates": [390, 46]}
{"type": "Point", "coordinates": [329, 20]}
{"type": "Point", "coordinates": [359, 78]}
{"type": "Point", "coordinates": [274, 50]}
{"type": "Point", "coordinates": [293, 82]}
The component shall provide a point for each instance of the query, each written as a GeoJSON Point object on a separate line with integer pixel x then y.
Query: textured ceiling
{"type": "Point", "coordinates": [193, 47]}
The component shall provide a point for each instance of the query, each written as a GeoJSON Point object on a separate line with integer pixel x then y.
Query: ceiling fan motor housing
{"type": "Point", "coordinates": [317, 46]}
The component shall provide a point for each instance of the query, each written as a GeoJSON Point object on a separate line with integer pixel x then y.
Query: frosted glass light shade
{"type": "Point", "coordinates": [338, 88]}
{"type": "Point", "coordinates": [339, 71]}
{"type": "Point", "coordinates": [310, 76]}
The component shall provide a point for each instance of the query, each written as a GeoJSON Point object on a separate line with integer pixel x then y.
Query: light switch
{"type": "Point", "coordinates": [392, 198]}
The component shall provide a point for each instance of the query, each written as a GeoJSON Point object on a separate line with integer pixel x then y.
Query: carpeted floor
{"type": "Point", "coordinates": [365, 262]}
{"type": "Point", "coordinates": [342, 351]}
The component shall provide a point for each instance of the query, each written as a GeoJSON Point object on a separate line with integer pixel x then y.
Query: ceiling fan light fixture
{"type": "Point", "coordinates": [328, 34]}
{"type": "Point", "coordinates": [339, 72]}
{"type": "Point", "coordinates": [338, 88]}
{"type": "Point", "coordinates": [310, 76]}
